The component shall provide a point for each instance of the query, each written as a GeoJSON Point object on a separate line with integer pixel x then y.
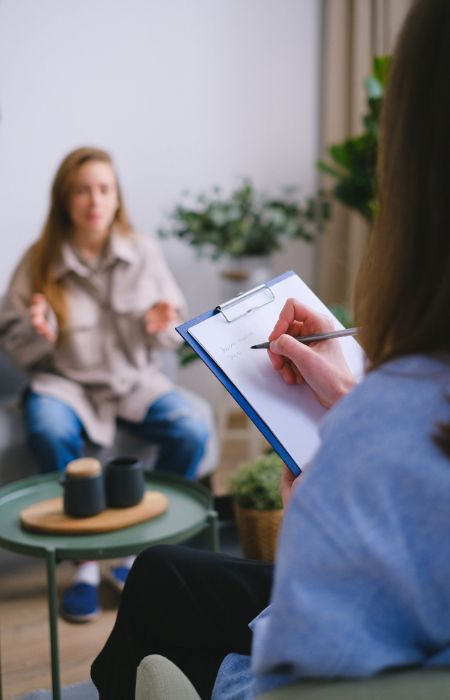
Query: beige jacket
{"type": "Point", "coordinates": [102, 363]}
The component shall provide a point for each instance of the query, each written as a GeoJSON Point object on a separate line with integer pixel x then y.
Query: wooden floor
{"type": "Point", "coordinates": [25, 641]}
{"type": "Point", "coordinates": [24, 632]}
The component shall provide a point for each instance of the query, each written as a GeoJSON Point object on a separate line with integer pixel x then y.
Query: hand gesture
{"type": "Point", "coordinates": [321, 364]}
{"type": "Point", "coordinates": [38, 311]}
{"type": "Point", "coordinates": [160, 316]}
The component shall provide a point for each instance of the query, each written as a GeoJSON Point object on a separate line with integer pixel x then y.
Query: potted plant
{"type": "Point", "coordinates": [354, 160]}
{"type": "Point", "coordinates": [243, 228]}
{"type": "Point", "coordinates": [245, 223]}
{"type": "Point", "coordinates": [255, 490]}
{"type": "Point", "coordinates": [352, 163]}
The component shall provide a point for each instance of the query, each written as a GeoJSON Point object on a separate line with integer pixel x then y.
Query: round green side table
{"type": "Point", "coordinates": [190, 511]}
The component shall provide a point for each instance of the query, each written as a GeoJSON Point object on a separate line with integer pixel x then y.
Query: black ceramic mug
{"type": "Point", "coordinates": [124, 480]}
{"type": "Point", "coordinates": [84, 488]}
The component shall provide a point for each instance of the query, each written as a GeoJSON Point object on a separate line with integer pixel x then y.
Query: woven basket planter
{"type": "Point", "coordinates": [258, 531]}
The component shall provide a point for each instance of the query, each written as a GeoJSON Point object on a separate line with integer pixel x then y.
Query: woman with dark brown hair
{"type": "Point", "coordinates": [361, 580]}
{"type": "Point", "coordinates": [85, 308]}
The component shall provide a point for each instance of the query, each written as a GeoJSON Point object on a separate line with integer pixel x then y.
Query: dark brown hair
{"type": "Point", "coordinates": [403, 289]}
{"type": "Point", "coordinates": [58, 226]}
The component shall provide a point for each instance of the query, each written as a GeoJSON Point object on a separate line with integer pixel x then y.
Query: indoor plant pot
{"type": "Point", "coordinates": [255, 490]}
{"type": "Point", "coordinates": [242, 229]}
{"type": "Point", "coordinates": [245, 223]}
{"type": "Point", "coordinates": [239, 274]}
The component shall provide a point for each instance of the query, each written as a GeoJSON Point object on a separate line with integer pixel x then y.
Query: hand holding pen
{"type": "Point", "coordinates": [321, 365]}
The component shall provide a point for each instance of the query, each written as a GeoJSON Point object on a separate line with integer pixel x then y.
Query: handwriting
{"type": "Point", "coordinates": [236, 343]}
{"type": "Point", "coordinates": [226, 348]}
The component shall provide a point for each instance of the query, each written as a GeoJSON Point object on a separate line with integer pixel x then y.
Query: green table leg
{"type": "Point", "coordinates": [213, 531]}
{"type": "Point", "coordinates": [53, 621]}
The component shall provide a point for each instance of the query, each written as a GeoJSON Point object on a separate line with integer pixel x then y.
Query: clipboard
{"type": "Point", "coordinates": [255, 304]}
{"type": "Point", "coordinates": [225, 310]}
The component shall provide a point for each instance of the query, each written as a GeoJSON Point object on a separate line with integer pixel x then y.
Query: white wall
{"type": "Point", "coordinates": [186, 94]}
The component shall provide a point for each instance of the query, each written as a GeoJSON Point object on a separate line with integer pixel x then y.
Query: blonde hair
{"type": "Point", "coordinates": [58, 226]}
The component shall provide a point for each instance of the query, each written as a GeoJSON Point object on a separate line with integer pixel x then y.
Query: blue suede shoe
{"type": "Point", "coordinates": [117, 576]}
{"type": "Point", "coordinates": [80, 603]}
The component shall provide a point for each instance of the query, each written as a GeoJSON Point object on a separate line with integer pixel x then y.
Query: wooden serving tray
{"type": "Point", "coordinates": [48, 516]}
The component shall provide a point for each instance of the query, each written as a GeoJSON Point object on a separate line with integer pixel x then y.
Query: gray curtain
{"type": "Point", "coordinates": [353, 32]}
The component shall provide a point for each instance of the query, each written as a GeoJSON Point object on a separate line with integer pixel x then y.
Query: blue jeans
{"type": "Point", "coordinates": [56, 435]}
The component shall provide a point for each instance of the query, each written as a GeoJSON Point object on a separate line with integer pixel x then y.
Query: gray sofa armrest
{"type": "Point", "coordinates": [12, 379]}
{"type": "Point", "coordinates": [16, 461]}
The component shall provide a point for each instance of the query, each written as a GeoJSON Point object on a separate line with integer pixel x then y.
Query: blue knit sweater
{"type": "Point", "coordinates": [362, 578]}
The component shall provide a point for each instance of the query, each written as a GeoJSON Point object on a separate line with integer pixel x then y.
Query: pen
{"type": "Point", "coordinates": [313, 338]}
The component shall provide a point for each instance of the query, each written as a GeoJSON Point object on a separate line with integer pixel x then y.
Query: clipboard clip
{"type": "Point", "coordinates": [246, 302]}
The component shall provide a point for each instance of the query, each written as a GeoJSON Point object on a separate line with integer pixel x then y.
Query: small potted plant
{"type": "Point", "coordinates": [255, 490]}
{"type": "Point", "coordinates": [244, 225]}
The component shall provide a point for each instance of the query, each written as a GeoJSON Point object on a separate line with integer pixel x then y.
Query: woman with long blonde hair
{"type": "Point", "coordinates": [86, 306]}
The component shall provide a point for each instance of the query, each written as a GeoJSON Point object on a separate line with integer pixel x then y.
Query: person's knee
{"type": "Point", "coordinates": [51, 420]}
{"type": "Point", "coordinates": [193, 430]}
{"type": "Point", "coordinates": [53, 429]}
{"type": "Point", "coordinates": [153, 568]}
{"type": "Point", "coordinates": [153, 556]}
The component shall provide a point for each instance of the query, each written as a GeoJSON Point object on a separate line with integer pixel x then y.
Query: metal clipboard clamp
{"type": "Point", "coordinates": [246, 302]}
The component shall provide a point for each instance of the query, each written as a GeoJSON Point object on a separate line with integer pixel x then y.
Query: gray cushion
{"type": "Point", "coordinates": [11, 378]}
{"type": "Point", "coordinates": [16, 461]}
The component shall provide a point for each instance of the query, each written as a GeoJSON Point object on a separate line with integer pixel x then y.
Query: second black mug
{"type": "Point", "coordinates": [124, 482]}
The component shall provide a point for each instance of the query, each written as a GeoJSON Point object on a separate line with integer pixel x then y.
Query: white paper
{"type": "Point", "coordinates": [290, 411]}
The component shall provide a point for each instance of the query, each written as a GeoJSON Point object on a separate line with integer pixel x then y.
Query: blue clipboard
{"type": "Point", "coordinates": [232, 304]}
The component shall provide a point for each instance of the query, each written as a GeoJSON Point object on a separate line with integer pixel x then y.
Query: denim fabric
{"type": "Point", "coordinates": [56, 434]}
{"type": "Point", "coordinates": [173, 424]}
{"type": "Point", "coordinates": [235, 680]}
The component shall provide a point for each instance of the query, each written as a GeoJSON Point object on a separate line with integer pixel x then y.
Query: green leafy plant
{"type": "Point", "coordinates": [343, 314]}
{"type": "Point", "coordinates": [245, 222]}
{"type": "Point", "coordinates": [354, 161]}
{"type": "Point", "coordinates": [256, 484]}
{"type": "Point", "coordinates": [185, 354]}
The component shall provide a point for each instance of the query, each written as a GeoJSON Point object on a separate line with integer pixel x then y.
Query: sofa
{"type": "Point", "coordinates": [159, 679]}
{"type": "Point", "coordinates": [16, 462]}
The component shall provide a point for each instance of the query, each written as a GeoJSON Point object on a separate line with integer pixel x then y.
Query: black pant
{"type": "Point", "coordinates": [188, 605]}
